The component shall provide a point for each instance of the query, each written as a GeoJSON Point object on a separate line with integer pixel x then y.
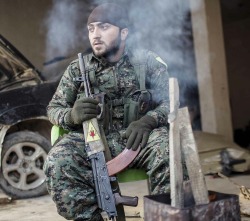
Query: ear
{"type": "Point", "coordinates": [124, 34]}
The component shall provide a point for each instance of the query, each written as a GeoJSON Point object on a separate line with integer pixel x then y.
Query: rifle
{"type": "Point", "coordinates": [107, 199]}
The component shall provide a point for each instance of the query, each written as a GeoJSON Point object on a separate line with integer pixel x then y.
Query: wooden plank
{"type": "Point", "coordinates": [191, 157]}
{"type": "Point", "coordinates": [176, 173]}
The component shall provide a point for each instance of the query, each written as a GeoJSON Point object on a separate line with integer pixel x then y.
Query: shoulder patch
{"type": "Point", "coordinates": [158, 58]}
{"type": "Point", "coordinates": [161, 61]}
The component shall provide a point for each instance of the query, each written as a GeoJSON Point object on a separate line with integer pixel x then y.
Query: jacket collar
{"type": "Point", "coordinates": [104, 62]}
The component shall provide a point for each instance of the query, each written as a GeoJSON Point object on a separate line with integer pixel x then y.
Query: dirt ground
{"type": "Point", "coordinates": [43, 208]}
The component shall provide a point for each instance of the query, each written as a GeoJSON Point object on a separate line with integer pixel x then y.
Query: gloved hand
{"type": "Point", "coordinates": [138, 132]}
{"type": "Point", "coordinates": [84, 109]}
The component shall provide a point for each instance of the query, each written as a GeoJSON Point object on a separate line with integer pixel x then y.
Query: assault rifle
{"type": "Point", "coordinates": [107, 198]}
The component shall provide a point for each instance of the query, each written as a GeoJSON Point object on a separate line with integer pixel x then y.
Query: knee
{"type": "Point", "coordinates": [158, 135]}
{"type": "Point", "coordinates": [159, 140]}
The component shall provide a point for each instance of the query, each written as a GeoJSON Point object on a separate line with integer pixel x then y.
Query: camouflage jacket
{"type": "Point", "coordinates": [115, 80]}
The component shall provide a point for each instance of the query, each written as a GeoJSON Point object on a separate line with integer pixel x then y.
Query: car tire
{"type": "Point", "coordinates": [23, 156]}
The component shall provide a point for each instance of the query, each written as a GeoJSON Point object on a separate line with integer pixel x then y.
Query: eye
{"type": "Point", "coordinates": [90, 29]}
{"type": "Point", "coordinates": [104, 26]}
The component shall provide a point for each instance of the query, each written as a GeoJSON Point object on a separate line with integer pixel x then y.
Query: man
{"type": "Point", "coordinates": [136, 108]}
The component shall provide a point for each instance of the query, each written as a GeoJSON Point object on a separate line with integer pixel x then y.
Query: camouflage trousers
{"type": "Point", "coordinates": [69, 176]}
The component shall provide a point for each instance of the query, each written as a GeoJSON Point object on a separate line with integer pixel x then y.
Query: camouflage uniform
{"type": "Point", "coordinates": [68, 171]}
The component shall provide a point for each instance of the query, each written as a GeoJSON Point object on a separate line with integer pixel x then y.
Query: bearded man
{"type": "Point", "coordinates": [135, 83]}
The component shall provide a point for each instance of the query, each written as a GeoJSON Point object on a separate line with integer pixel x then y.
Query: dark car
{"type": "Point", "coordinates": [24, 127]}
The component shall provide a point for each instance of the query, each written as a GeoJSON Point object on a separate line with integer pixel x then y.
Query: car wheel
{"type": "Point", "coordinates": [23, 156]}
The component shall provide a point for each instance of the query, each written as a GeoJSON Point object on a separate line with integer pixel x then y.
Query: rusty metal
{"type": "Point", "coordinates": [222, 207]}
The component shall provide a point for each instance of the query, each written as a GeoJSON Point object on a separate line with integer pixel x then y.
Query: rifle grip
{"type": "Point", "coordinates": [126, 200]}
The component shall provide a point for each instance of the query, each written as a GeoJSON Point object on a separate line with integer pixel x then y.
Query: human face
{"type": "Point", "coordinates": [105, 39]}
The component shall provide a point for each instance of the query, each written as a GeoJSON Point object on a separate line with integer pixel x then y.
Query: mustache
{"type": "Point", "coordinates": [98, 42]}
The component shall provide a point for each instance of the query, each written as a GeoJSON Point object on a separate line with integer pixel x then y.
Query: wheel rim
{"type": "Point", "coordinates": [22, 165]}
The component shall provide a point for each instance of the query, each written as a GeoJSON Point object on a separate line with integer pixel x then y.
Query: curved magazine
{"type": "Point", "coordinates": [121, 162]}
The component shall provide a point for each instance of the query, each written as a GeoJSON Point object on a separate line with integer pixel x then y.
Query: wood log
{"type": "Point", "coordinates": [191, 157]}
{"type": "Point", "coordinates": [175, 161]}
{"type": "Point", "coordinates": [244, 197]}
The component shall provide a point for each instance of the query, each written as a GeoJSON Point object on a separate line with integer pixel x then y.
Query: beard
{"type": "Point", "coordinates": [108, 50]}
{"type": "Point", "coordinates": [112, 51]}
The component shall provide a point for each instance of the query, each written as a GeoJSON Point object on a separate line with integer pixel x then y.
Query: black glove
{"type": "Point", "coordinates": [83, 109]}
{"type": "Point", "coordinates": [138, 132]}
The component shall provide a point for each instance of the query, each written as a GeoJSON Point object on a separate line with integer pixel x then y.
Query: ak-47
{"type": "Point", "coordinates": [106, 198]}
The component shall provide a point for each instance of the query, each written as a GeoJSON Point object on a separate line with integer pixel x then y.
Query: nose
{"type": "Point", "coordinates": [96, 33]}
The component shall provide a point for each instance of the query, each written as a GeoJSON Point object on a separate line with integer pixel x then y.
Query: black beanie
{"type": "Point", "coordinates": [109, 13]}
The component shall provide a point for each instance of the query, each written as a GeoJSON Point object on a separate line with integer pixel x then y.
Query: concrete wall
{"type": "Point", "coordinates": [236, 27]}
{"type": "Point", "coordinates": [21, 22]}
{"type": "Point", "coordinates": [237, 42]}
{"type": "Point", "coordinates": [25, 24]}
{"type": "Point", "coordinates": [211, 67]}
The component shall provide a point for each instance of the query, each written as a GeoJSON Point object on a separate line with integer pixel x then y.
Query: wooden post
{"type": "Point", "coordinates": [191, 157]}
{"type": "Point", "coordinates": [211, 67]}
{"type": "Point", "coordinates": [176, 173]}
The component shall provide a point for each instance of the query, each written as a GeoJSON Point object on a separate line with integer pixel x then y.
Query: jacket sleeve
{"type": "Point", "coordinates": [157, 80]}
{"type": "Point", "coordinates": [64, 98]}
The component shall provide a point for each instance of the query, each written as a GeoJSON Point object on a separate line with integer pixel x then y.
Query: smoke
{"type": "Point", "coordinates": [163, 26]}
{"type": "Point", "coordinates": [65, 28]}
